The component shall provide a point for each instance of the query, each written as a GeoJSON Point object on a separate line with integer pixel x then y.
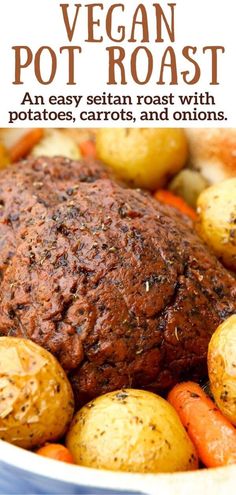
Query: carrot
{"type": "Point", "coordinates": [56, 451]}
{"type": "Point", "coordinates": [171, 199]}
{"type": "Point", "coordinates": [88, 149]}
{"type": "Point", "coordinates": [22, 147]}
{"type": "Point", "coordinates": [212, 434]}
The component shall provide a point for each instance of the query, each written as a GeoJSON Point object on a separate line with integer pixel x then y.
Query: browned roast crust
{"type": "Point", "coordinates": [29, 188]}
{"type": "Point", "coordinates": [117, 286]}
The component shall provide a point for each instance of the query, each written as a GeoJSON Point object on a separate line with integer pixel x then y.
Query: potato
{"type": "Point", "coordinates": [4, 158]}
{"type": "Point", "coordinates": [143, 157]}
{"type": "Point", "coordinates": [130, 430]}
{"type": "Point", "coordinates": [222, 367]}
{"type": "Point", "coordinates": [188, 184]}
{"type": "Point", "coordinates": [56, 143]}
{"type": "Point", "coordinates": [217, 220]}
{"type": "Point", "coordinates": [36, 400]}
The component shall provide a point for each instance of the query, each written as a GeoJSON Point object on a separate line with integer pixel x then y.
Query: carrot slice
{"type": "Point", "coordinates": [88, 149]}
{"type": "Point", "coordinates": [57, 452]}
{"type": "Point", "coordinates": [22, 147]}
{"type": "Point", "coordinates": [171, 199]}
{"type": "Point", "coordinates": [212, 434]}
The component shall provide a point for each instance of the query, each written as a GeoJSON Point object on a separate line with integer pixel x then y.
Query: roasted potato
{"type": "Point", "coordinates": [55, 143]}
{"type": "Point", "coordinates": [130, 430]}
{"type": "Point", "coordinates": [217, 220]}
{"type": "Point", "coordinates": [36, 400]}
{"type": "Point", "coordinates": [222, 367]}
{"type": "Point", "coordinates": [4, 158]}
{"type": "Point", "coordinates": [143, 157]}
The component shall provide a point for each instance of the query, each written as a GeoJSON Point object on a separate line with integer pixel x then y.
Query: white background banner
{"type": "Point", "coordinates": [157, 62]}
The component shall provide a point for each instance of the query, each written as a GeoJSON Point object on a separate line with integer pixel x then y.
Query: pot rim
{"type": "Point", "coordinates": [217, 481]}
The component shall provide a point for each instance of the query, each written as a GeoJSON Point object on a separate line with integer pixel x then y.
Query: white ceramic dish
{"type": "Point", "coordinates": [22, 472]}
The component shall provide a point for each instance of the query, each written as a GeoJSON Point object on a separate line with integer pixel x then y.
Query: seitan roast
{"type": "Point", "coordinates": [116, 285]}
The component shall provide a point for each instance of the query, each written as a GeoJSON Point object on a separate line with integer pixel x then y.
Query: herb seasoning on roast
{"type": "Point", "coordinates": [117, 286]}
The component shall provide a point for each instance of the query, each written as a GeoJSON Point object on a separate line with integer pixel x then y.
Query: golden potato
{"type": "Point", "coordinates": [222, 367]}
{"type": "Point", "coordinates": [36, 400]}
{"type": "Point", "coordinates": [217, 220]}
{"type": "Point", "coordinates": [4, 158]}
{"type": "Point", "coordinates": [130, 430]}
{"type": "Point", "coordinates": [143, 157]}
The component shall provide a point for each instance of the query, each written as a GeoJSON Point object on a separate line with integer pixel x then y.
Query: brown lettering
{"type": "Point", "coordinates": [37, 64]}
{"type": "Point", "coordinates": [71, 57]}
{"type": "Point", "coordinates": [214, 57]}
{"type": "Point", "coordinates": [92, 22]}
{"type": "Point", "coordinates": [19, 50]}
{"type": "Point", "coordinates": [161, 19]}
{"type": "Point", "coordinates": [116, 56]}
{"type": "Point", "coordinates": [172, 65]}
{"type": "Point", "coordinates": [69, 29]}
{"type": "Point", "coordinates": [143, 22]}
{"type": "Point", "coordinates": [134, 73]}
{"type": "Point", "coordinates": [197, 73]}
{"type": "Point", "coordinates": [109, 26]}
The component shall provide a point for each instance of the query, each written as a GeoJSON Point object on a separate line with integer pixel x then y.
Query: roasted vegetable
{"type": "Point", "coordinates": [4, 157]}
{"type": "Point", "coordinates": [222, 367]}
{"type": "Point", "coordinates": [171, 199]}
{"type": "Point", "coordinates": [212, 434]}
{"type": "Point", "coordinates": [19, 142]}
{"type": "Point", "coordinates": [57, 452]}
{"type": "Point", "coordinates": [56, 143]}
{"type": "Point", "coordinates": [188, 184]}
{"type": "Point", "coordinates": [24, 146]}
{"type": "Point", "coordinates": [36, 400]}
{"type": "Point", "coordinates": [88, 149]}
{"type": "Point", "coordinates": [213, 152]}
{"type": "Point", "coordinates": [130, 430]}
{"type": "Point", "coordinates": [217, 220]}
{"type": "Point", "coordinates": [143, 157]}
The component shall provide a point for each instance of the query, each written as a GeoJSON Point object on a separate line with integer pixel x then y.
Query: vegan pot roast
{"type": "Point", "coordinates": [118, 286]}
